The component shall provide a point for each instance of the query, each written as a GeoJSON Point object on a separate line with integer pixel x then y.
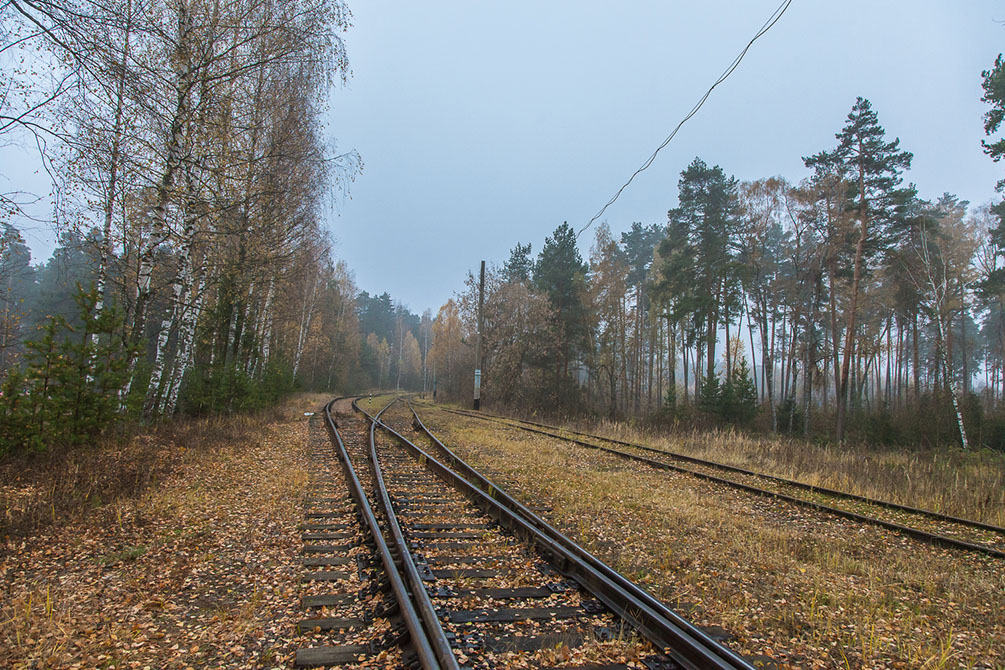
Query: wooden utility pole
{"type": "Point", "coordinates": [478, 341]}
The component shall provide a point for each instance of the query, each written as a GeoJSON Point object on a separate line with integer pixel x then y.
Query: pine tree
{"type": "Point", "coordinates": [701, 232]}
{"type": "Point", "coordinates": [676, 289]}
{"type": "Point", "coordinates": [872, 168]}
{"type": "Point", "coordinates": [639, 244]}
{"type": "Point", "coordinates": [994, 95]}
{"type": "Point", "coordinates": [742, 405]}
{"type": "Point", "coordinates": [68, 390]}
{"type": "Point", "coordinates": [710, 398]}
{"type": "Point", "coordinates": [560, 273]}
{"type": "Point", "coordinates": [519, 266]}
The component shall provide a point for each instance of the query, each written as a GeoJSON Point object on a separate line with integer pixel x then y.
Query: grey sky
{"type": "Point", "coordinates": [484, 124]}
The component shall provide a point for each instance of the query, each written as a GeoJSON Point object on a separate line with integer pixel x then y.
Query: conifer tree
{"type": "Point", "coordinates": [519, 266]}
{"type": "Point", "coordinates": [560, 273]}
{"type": "Point", "coordinates": [872, 168]}
{"type": "Point", "coordinates": [703, 228]}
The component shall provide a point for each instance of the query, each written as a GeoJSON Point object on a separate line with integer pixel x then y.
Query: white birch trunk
{"type": "Point", "coordinates": [186, 348]}
{"type": "Point", "coordinates": [263, 360]}
{"type": "Point", "coordinates": [159, 229]}
{"type": "Point", "coordinates": [180, 287]}
{"type": "Point", "coordinates": [255, 358]}
{"type": "Point", "coordinates": [305, 324]}
{"type": "Point", "coordinates": [940, 295]}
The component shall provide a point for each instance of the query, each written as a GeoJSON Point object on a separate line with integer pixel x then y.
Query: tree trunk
{"type": "Point", "coordinates": [952, 391]}
{"type": "Point", "coordinates": [842, 405]}
{"type": "Point", "coordinates": [963, 341]}
{"type": "Point", "coordinates": [305, 324]}
{"type": "Point", "coordinates": [683, 353]}
{"type": "Point", "coordinates": [186, 343]}
{"type": "Point", "coordinates": [713, 336]}
{"type": "Point", "coordinates": [179, 294]}
{"type": "Point", "coordinates": [916, 362]}
{"type": "Point", "coordinates": [159, 231]}
{"type": "Point", "coordinates": [767, 363]}
{"type": "Point", "coordinates": [114, 163]}
{"type": "Point", "coordinates": [835, 357]}
{"type": "Point", "coordinates": [753, 363]}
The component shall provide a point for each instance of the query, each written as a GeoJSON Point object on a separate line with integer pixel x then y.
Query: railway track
{"type": "Point", "coordinates": [348, 595]}
{"type": "Point", "coordinates": [457, 574]}
{"type": "Point", "coordinates": [923, 525]}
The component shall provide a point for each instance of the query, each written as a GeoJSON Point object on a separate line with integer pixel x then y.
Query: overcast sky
{"type": "Point", "coordinates": [484, 124]}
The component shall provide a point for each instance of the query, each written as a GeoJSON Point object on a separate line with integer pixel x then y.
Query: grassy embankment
{"type": "Point", "coordinates": [169, 549]}
{"type": "Point", "coordinates": [970, 484]}
{"type": "Point", "coordinates": [803, 588]}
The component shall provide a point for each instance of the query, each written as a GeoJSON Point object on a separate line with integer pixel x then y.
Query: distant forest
{"type": "Point", "coordinates": [323, 333]}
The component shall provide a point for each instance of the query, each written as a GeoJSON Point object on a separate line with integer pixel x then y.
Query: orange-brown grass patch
{"type": "Point", "coordinates": [803, 588]}
{"type": "Point", "coordinates": [969, 484]}
{"type": "Point", "coordinates": [39, 489]}
{"type": "Point", "coordinates": [192, 571]}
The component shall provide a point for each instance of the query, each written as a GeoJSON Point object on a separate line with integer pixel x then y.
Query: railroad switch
{"type": "Point", "coordinates": [385, 611]}
{"type": "Point", "coordinates": [661, 662]}
{"type": "Point", "coordinates": [425, 574]}
{"type": "Point", "coordinates": [546, 569]}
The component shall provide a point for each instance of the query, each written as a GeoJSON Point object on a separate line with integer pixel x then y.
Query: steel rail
{"type": "Point", "coordinates": [417, 634]}
{"type": "Point", "coordinates": [972, 523]}
{"type": "Point", "coordinates": [686, 644]}
{"type": "Point", "coordinates": [438, 639]}
{"type": "Point", "coordinates": [922, 535]}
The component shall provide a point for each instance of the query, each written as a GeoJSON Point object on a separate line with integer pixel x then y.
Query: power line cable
{"type": "Point", "coordinates": [772, 20]}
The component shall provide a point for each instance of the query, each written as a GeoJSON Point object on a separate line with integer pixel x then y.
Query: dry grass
{"type": "Point", "coordinates": [192, 570]}
{"type": "Point", "coordinates": [805, 589]}
{"type": "Point", "coordinates": [950, 481]}
{"type": "Point", "coordinates": [37, 490]}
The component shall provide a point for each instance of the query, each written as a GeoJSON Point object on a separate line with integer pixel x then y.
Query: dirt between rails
{"type": "Point", "coordinates": [802, 588]}
{"type": "Point", "coordinates": [197, 571]}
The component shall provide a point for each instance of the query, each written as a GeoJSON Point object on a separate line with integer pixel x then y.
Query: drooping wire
{"type": "Point", "coordinates": [772, 20]}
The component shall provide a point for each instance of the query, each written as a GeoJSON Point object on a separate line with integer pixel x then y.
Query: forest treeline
{"type": "Point", "coordinates": [351, 341]}
{"type": "Point", "coordinates": [845, 304]}
{"type": "Point", "coordinates": [192, 173]}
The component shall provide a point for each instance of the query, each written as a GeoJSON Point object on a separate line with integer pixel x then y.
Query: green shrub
{"type": "Point", "coordinates": [226, 389]}
{"type": "Point", "coordinates": [67, 391]}
{"type": "Point", "coordinates": [733, 400]}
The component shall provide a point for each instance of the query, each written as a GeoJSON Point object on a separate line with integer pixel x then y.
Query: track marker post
{"type": "Point", "coordinates": [478, 342]}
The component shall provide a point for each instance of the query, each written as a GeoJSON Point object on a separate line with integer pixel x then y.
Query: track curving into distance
{"type": "Point", "coordinates": [491, 583]}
